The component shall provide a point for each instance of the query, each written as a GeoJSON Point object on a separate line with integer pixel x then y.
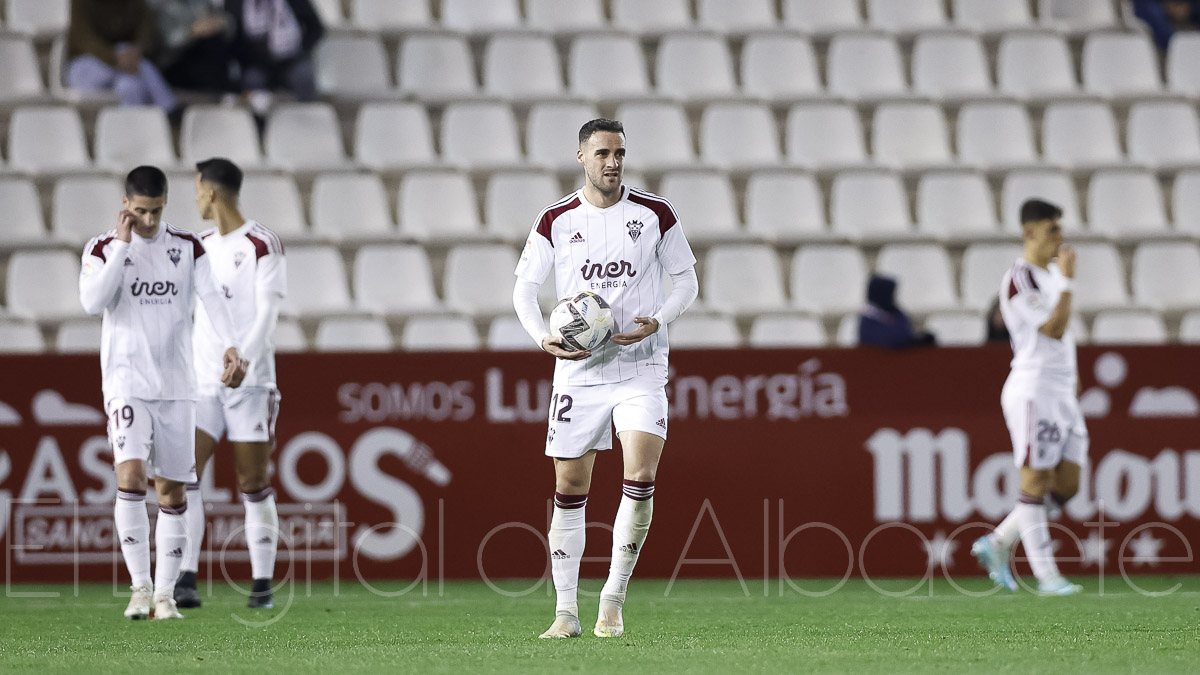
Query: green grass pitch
{"type": "Point", "coordinates": [699, 627]}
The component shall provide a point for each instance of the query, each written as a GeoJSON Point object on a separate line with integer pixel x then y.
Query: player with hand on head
{"type": "Point", "coordinates": [144, 276]}
{"type": "Point", "coordinates": [1040, 400]}
{"type": "Point", "coordinates": [248, 262]}
{"type": "Point", "coordinates": [616, 241]}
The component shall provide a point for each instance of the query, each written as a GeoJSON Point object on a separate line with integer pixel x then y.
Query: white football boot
{"type": "Point", "coordinates": [1058, 586]}
{"type": "Point", "coordinates": [164, 608]}
{"type": "Point", "coordinates": [565, 625]}
{"type": "Point", "coordinates": [139, 603]}
{"type": "Point", "coordinates": [609, 622]}
{"type": "Point", "coordinates": [995, 561]}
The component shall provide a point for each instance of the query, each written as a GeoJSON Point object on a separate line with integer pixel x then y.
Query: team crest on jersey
{"type": "Point", "coordinates": [635, 229]}
{"type": "Point", "coordinates": [238, 258]}
{"type": "Point", "coordinates": [174, 255]}
{"type": "Point", "coordinates": [121, 442]}
{"type": "Point", "coordinates": [550, 436]}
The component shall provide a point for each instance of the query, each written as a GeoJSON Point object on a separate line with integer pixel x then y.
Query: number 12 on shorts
{"type": "Point", "coordinates": [558, 414]}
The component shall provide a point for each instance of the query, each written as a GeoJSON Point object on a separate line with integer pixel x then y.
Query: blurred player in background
{"type": "Point", "coordinates": [615, 241]}
{"type": "Point", "coordinates": [247, 260]}
{"type": "Point", "coordinates": [143, 276]}
{"type": "Point", "coordinates": [1040, 400]}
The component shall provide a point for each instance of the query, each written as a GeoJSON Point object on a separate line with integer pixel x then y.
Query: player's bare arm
{"type": "Point", "coordinates": [1057, 324]}
{"type": "Point", "coordinates": [554, 346]}
{"type": "Point", "coordinates": [646, 326]}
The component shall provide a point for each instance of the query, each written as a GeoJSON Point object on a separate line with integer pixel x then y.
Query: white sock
{"type": "Point", "coordinates": [1007, 532]}
{"type": "Point", "coordinates": [133, 531]}
{"type": "Point", "coordinates": [195, 528]}
{"type": "Point", "coordinates": [170, 539]}
{"type": "Point", "coordinates": [1035, 535]}
{"type": "Point", "coordinates": [262, 531]}
{"type": "Point", "coordinates": [567, 539]}
{"type": "Point", "coordinates": [629, 534]}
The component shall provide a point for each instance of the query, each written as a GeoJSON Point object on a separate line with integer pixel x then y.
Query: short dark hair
{"type": "Point", "coordinates": [146, 181]}
{"type": "Point", "coordinates": [1034, 210]}
{"type": "Point", "coordinates": [599, 124]}
{"type": "Point", "coordinates": [221, 171]}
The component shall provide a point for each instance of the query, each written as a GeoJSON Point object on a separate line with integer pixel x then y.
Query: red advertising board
{"type": "Point", "coordinates": [785, 462]}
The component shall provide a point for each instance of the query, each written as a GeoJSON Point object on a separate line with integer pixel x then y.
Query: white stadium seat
{"type": "Point", "coordinates": [393, 135]}
{"type": "Point", "coordinates": [513, 201]}
{"type": "Point", "coordinates": [906, 16]}
{"type": "Point", "coordinates": [828, 16]}
{"type": "Point", "coordinates": [624, 64]}
{"type": "Point", "coordinates": [983, 268]}
{"type": "Point", "coordinates": [352, 66]}
{"type": "Point", "coordinates": [693, 331]}
{"type": "Point", "coordinates": [1189, 328]}
{"type": "Point", "coordinates": [20, 337]}
{"type": "Point", "coordinates": [480, 16]}
{"type": "Point", "coordinates": [552, 133]}
{"type": "Point", "coordinates": [438, 205]}
{"type": "Point", "coordinates": [394, 280]}
{"type": "Point", "coordinates": [923, 273]}
{"type": "Point", "coordinates": [20, 79]}
{"type": "Point", "coordinates": [743, 279]}
{"type": "Point", "coordinates": [564, 15]}
{"type": "Point", "coordinates": [705, 203]}
{"type": "Point", "coordinates": [1128, 327]}
{"type": "Point", "coordinates": [38, 17]}
{"type": "Point", "coordinates": [330, 12]}
{"type": "Point", "coordinates": [1182, 55]}
{"type": "Point", "coordinates": [1077, 15]}
{"type": "Point", "coordinates": [353, 334]}
{"type": "Point", "coordinates": [289, 337]}
{"type": "Point", "coordinates": [390, 15]}
{"type": "Point", "coordinates": [317, 283]}
{"type": "Point", "coordinates": [1166, 276]}
{"type": "Point", "coordinates": [350, 206]}
{"type": "Point", "coordinates": [1120, 64]}
{"type": "Point", "coordinates": [46, 139]}
{"type": "Point", "coordinates": [736, 17]}
{"type": "Point", "coordinates": [274, 201]}
{"type": "Point", "coordinates": [828, 279]}
{"type": "Point", "coordinates": [1045, 184]}
{"type": "Point", "coordinates": [783, 331]}
{"type": "Point", "coordinates": [304, 136]}
{"type": "Point", "coordinates": [910, 135]}
{"type": "Point", "coordinates": [1080, 134]}
{"type": "Point", "coordinates": [661, 135]}
{"type": "Point", "coordinates": [1163, 134]}
{"type": "Point", "coordinates": [739, 135]}
{"type": "Point", "coordinates": [85, 206]}
{"type": "Point", "coordinates": [479, 279]}
{"type": "Point", "coordinates": [995, 135]}
{"type": "Point", "coordinates": [128, 136]}
{"type": "Point", "coordinates": [437, 334]}
{"type": "Point", "coordinates": [506, 334]}
{"type": "Point", "coordinates": [825, 135]}
{"type": "Point", "coordinates": [847, 330]}
{"type": "Point", "coordinates": [991, 16]}
{"type": "Point", "coordinates": [693, 67]}
{"type": "Point", "coordinates": [869, 205]}
{"type": "Point", "coordinates": [956, 205]}
{"type": "Point", "coordinates": [81, 336]}
{"type": "Point", "coordinates": [1100, 278]}
{"type": "Point", "coordinates": [776, 66]}
{"type": "Point", "coordinates": [480, 135]}
{"type": "Point", "coordinates": [639, 16]}
{"type": "Point", "coordinates": [1126, 203]}
{"type": "Point", "coordinates": [1035, 65]}
{"type": "Point", "coordinates": [436, 66]}
{"type": "Point", "coordinates": [521, 67]}
{"type": "Point", "coordinates": [44, 285]}
{"type": "Point", "coordinates": [1185, 202]}
{"type": "Point", "coordinates": [180, 211]}
{"type": "Point", "coordinates": [957, 329]}
{"type": "Point", "coordinates": [782, 206]}
{"type": "Point", "coordinates": [863, 66]}
{"type": "Point", "coordinates": [219, 131]}
{"type": "Point", "coordinates": [950, 65]}
{"type": "Point", "coordinates": [22, 209]}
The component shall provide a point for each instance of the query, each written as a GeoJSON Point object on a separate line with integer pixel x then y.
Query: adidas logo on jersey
{"type": "Point", "coordinates": [175, 553]}
{"type": "Point", "coordinates": [629, 548]}
{"type": "Point", "coordinates": [258, 427]}
{"type": "Point", "coordinates": [128, 262]}
{"type": "Point", "coordinates": [662, 422]}
{"type": "Point", "coordinates": [128, 541]}
{"type": "Point", "coordinates": [559, 555]}
{"type": "Point", "coordinates": [577, 239]}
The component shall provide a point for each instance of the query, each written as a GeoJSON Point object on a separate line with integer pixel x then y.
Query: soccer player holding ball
{"type": "Point", "coordinates": [615, 241]}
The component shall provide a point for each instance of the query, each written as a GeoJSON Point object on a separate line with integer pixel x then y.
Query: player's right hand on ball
{"type": "Point", "coordinates": [554, 346]}
{"type": "Point", "coordinates": [125, 221]}
{"type": "Point", "coordinates": [1066, 261]}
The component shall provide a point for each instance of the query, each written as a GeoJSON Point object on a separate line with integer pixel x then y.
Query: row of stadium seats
{"type": "Point", "coordinates": [47, 17]}
{"type": "Point", "coordinates": [782, 207]}
{"type": "Point", "coordinates": [737, 136]}
{"type": "Point", "coordinates": [740, 280]}
{"type": "Point", "coordinates": [693, 330]}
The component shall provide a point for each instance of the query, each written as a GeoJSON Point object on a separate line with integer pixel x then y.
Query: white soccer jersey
{"type": "Point", "coordinates": [620, 253]}
{"type": "Point", "coordinates": [146, 290]}
{"type": "Point", "coordinates": [1028, 296]}
{"type": "Point", "coordinates": [249, 266]}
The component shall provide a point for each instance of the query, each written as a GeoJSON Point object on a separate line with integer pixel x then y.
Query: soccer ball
{"type": "Point", "coordinates": [583, 321]}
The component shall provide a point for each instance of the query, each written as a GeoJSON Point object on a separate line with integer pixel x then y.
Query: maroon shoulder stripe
{"type": "Point", "coordinates": [1029, 277]}
{"type": "Point", "coordinates": [660, 207]}
{"type": "Point", "coordinates": [197, 246]}
{"type": "Point", "coordinates": [98, 249]}
{"type": "Point", "coordinates": [1012, 288]}
{"type": "Point", "coordinates": [551, 214]}
{"type": "Point", "coordinates": [260, 247]}
{"type": "Point", "coordinates": [274, 243]}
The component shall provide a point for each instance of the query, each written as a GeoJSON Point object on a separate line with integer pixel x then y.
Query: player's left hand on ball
{"type": "Point", "coordinates": [646, 327]}
{"type": "Point", "coordinates": [555, 347]}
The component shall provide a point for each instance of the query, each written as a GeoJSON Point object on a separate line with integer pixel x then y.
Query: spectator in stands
{"type": "Point", "coordinates": [273, 44]}
{"type": "Point", "coordinates": [196, 37]}
{"type": "Point", "coordinates": [106, 44]}
{"type": "Point", "coordinates": [1167, 17]}
{"type": "Point", "coordinates": [882, 323]}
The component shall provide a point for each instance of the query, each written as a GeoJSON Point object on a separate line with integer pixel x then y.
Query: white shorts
{"type": "Point", "coordinates": [582, 417]}
{"type": "Point", "coordinates": [248, 415]}
{"type": "Point", "coordinates": [1046, 426]}
{"type": "Point", "coordinates": [161, 433]}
